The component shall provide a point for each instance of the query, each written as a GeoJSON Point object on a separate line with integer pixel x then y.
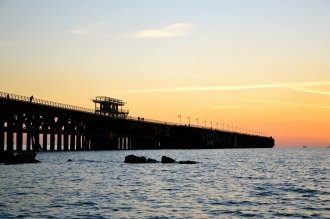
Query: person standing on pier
{"type": "Point", "coordinates": [31, 98]}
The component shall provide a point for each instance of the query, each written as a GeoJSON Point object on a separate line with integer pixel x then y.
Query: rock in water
{"type": "Point", "coordinates": [27, 157]}
{"type": "Point", "coordinates": [69, 160]}
{"type": "Point", "coordinates": [187, 162]}
{"type": "Point", "coordinates": [9, 158]}
{"type": "Point", "coordinates": [152, 161]}
{"type": "Point", "coordinates": [167, 160]}
{"type": "Point", "coordinates": [135, 159]}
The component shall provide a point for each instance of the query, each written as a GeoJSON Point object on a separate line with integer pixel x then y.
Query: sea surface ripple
{"type": "Point", "coordinates": [231, 183]}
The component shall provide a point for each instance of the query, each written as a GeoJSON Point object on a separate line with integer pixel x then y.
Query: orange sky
{"type": "Point", "coordinates": [261, 67]}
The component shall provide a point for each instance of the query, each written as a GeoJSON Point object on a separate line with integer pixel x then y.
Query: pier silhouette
{"type": "Point", "coordinates": [41, 123]}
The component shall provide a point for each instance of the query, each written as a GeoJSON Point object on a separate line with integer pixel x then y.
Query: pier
{"type": "Point", "coordinates": [50, 126]}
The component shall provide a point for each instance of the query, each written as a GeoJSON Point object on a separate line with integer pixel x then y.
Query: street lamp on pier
{"type": "Point", "coordinates": [180, 118]}
{"type": "Point", "coordinates": [189, 120]}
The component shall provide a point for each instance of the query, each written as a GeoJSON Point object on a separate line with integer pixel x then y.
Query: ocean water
{"type": "Point", "coordinates": [247, 183]}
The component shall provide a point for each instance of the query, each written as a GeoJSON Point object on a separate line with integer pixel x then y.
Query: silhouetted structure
{"type": "Point", "coordinates": [44, 123]}
{"type": "Point", "coordinates": [109, 107]}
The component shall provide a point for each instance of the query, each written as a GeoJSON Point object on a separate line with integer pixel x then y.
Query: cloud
{"type": "Point", "coordinates": [175, 30]}
{"type": "Point", "coordinates": [89, 30]}
{"type": "Point", "coordinates": [237, 87]}
{"type": "Point", "coordinates": [225, 107]}
{"type": "Point", "coordinates": [311, 91]}
{"type": "Point", "coordinates": [276, 103]}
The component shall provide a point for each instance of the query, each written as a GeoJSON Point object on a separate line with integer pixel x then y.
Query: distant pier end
{"type": "Point", "coordinates": [108, 106]}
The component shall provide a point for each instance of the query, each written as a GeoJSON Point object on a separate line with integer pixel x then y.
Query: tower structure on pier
{"type": "Point", "coordinates": [110, 107]}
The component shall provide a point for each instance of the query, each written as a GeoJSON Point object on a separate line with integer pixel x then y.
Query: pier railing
{"type": "Point", "coordinates": [44, 102]}
{"type": "Point", "coordinates": [87, 110]}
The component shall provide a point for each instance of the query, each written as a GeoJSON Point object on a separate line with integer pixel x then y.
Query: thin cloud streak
{"type": "Point", "coordinates": [238, 87]}
{"type": "Point", "coordinates": [175, 30]}
{"type": "Point", "coordinates": [278, 103]}
{"type": "Point", "coordinates": [265, 101]}
{"type": "Point", "coordinates": [311, 91]}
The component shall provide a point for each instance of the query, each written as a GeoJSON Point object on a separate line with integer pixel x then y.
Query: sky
{"type": "Point", "coordinates": [253, 66]}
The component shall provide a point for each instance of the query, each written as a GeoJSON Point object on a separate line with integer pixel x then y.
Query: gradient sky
{"type": "Point", "coordinates": [256, 65]}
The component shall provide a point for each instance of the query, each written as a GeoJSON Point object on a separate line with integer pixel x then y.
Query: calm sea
{"type": "Point", "coordinates": [259, 183]}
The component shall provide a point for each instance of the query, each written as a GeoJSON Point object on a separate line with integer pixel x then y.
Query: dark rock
{"type": "Point", "coordinates": [9, 158]}
{"type": "Point", "coordinates": [27, 157]}
{"type": "Point", "coordinates": [69, 160]}
{"type": "Point", "coordinates": [152, 161]}
{"type": "Point", "coordinates": [135, 159]}
{"type": "Point", "coordinates": [167, 160]}
{"type": "Point", "coordinates": [187, 162]}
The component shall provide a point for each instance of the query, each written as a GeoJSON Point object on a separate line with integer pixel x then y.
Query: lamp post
{"type": "Point", "coordinates": [228, 127]}
{"type": "Point", "coordinates": [205, 122]}
{"type": "Point", "coordinates": [180, 118]}
{"type": "Point", "coordinates": [236, 128]}
{"type": "Point", "coordinates": [223, 126]}
{"type": "Point", "coordinates": [217, 125]}
{"type": "Point", "coordinates": [197, 121]}
{"type": "Point", "coordinates": [211, 124]}
{"type": "Point", "coordinates": [189, 120]}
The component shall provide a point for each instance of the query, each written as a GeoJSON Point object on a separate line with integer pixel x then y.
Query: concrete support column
{"type": "Point", "coordinates": [85, 142]}
{"type": "Point", "coordinates": [36, 141]}
{"type": "Point", "coordinates": [44, 142]}
{"type": "Point", "coordinates": [19, 141]}
{"type": "Point", "coordinates": [120, 143]}
{"type": "Point", "coordinates": [52, 141]}
{"type": "Point", "coordinates": [10, 137]}
{"type": "Point", "coordinates": [59, 142]}
{"type": "Point", "coordinates": [78, 144]}
{"type": "Point", "coordinates": [125, 143]}
{"type": "Point", "coordinates": [66, 141]}
{"type": "Point", "coordinates": [73, 142]}
{"type": "Point", "coordinates": [28, 141]}
{"type": "Point", "coordinates": [91, 142]}
{"type": "Point", "coordinates": [2, 132]}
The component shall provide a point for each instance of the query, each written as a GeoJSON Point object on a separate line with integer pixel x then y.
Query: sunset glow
{"type": "Point", "coordinates": [261, 66]}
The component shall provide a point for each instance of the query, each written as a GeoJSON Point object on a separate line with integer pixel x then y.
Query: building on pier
{"type": "Point", "coordinates": [110, 107]}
